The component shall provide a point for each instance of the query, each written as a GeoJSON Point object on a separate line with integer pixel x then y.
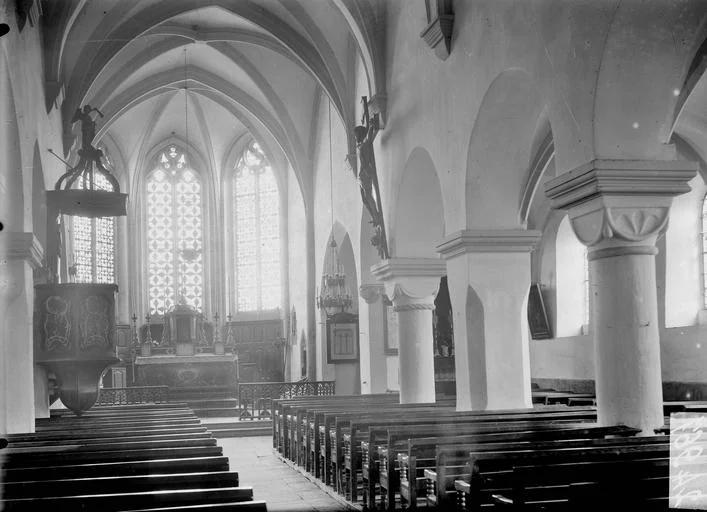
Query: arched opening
{"type": "Point", "coordinates": [496, 170]}
{"type": "Point", "coordinates": [572, 312]}
{"type": "Point", "coordinates": [339, 346]}
{"type": "Point", "coordinates": [443, 339]}
{"type": "Point", "coordinates": [419, 211]}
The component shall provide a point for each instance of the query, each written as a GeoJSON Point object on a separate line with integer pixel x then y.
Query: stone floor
{"type": "Point", "coordinates": [283, 488]}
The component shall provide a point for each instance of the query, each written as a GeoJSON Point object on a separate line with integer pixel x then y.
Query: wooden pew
{"type": "Point", "coordinates": [282, 406]}
{"type": "Point", "coordinates": [131, 500]}
{"type": "Point", "coordinates": [311, 418]}
{"type": "Point", "coordinates": [127, 468]}
{"type": "Point", "coordinates": [285, 413]}
{"type": "Point", "coordinates": [418, 452]}
{"type": "Point", "coordinates": [112, 484]}
{"type": "Point", "coordinates": [119, 460]}
{"type": "Point", "coordinates": [311, 437]}
{"type": "Point", "coordinates": [245, 506]}
{"type": "Point", "coordinates": [117, 437]}
{"type": "Point", "coordinates": [77, 447]}
{"type": "Point", "coordinates": [379, 453]}
{"type": "Point", "coordinates": [560, 397]}
{"type": "Point", "coordinates": [329, 445]}
{"type": "Point", "coordinates": [488, 466]}
{"type": "Point", "coordinates": [63, 436]}
{"type": "Point", "coordinates": [346, 446]}
{"type": "Point", "coordinates": [547, 486]}
{"type": "Point", "coordinates": [18, 460]}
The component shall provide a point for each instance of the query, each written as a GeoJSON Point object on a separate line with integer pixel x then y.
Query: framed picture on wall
{"type": "Point", "coordinates": [342, 339]}
{"type": "Point", "coordinates": [537, 316]}
{"type": "Point", "coordinates": [390, 329]}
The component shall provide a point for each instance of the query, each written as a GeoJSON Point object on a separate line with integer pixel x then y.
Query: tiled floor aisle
{"type": "Point", "coordinates": [283, 488]}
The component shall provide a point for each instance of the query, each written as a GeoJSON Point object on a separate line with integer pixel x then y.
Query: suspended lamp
{"type": "Point", "coordinates": [335, 296]}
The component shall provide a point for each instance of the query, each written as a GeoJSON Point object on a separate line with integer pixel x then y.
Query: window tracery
{"type": "Point", "coordinates": [256, 240]}
{"type": "Point", "coordinates": [175, 263]}
{"type": "Point", "coordinates": [93, 242]}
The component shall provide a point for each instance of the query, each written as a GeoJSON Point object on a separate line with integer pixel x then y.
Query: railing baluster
{"type": "Point", "coordinates": [255, 398]}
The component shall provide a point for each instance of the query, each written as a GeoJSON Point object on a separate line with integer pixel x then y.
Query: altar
{"type": "Point", "coordinates": [181, 349]}
{"type": "Point", "coordinates": [177, 371]}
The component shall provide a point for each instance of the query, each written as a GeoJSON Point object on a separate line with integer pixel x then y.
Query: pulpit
{"type": "Point", "coordinates": [74, 337]}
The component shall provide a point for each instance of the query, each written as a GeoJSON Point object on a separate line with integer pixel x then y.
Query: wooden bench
{"type": "Point", "coordinates": [346, 445]}
{"type": "Point", "coordinates": [62, 436]}
{"type": "Point", "coordinates": [117, 437]}
{"type": "Point", "coordinates": [131, 500]}
{"type": "Point", "coordinates": [311, 438]}
{"type": "Point", "coordinates": [285, 413]}
{"type": "Point", "coordinates": [25, 460]}
{"type": "Point", "coordinates": [380, 452]}
{"type": "Point", "coordinates": [127, 468]}
{"type": "Point", "coordinates": [282, 406]}
{"type": "Point", "coordinates": [112, 484]}
{"type": "Point", "coordinates": [308, 439]}
{"type": "Point", "coordinates": [245, 506]}
{"type": "Point", "coordinates": [329, 446]}
{"type": "Point", "coordinates": [560, 397]}
{"type": "Point", "coordinates": [417, 453]}
{"type": "Point", "coordinates": [488, 467]}
{"type": "Point", "coordinates": [547, 486]}
{"type": "Point", "coordinates": [121, 460]}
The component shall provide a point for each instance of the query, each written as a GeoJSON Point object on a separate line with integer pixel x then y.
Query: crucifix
{"type": "Point", "coordinates": [368, 177]}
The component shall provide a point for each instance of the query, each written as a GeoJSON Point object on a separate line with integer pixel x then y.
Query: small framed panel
{"type": "Point", "coordinates": [342, 339]}
{"type": "Point", "coordinates": [537, 315]}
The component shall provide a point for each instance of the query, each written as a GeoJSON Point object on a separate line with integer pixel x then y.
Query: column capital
{"type": "Point", "coordinates": [604, 178]}
{"type": "Point", "coordinates": [615, 203]}
{"type": "Point", "coordinates": [18, 245]}
{"type": "Point", "coordinates": [371, 292]}
{"type": "Point", "coordinates": [410, 280]}
{"type": "Point", "coordinates": [488, 240]}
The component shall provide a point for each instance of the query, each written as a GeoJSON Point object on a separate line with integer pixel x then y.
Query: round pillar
{"type": "Point", "coordinates": [416, 350]}
{"type": "Point", "coordinates": [627, 342]}
{"type": "Point", "coordinates": [412, 284]}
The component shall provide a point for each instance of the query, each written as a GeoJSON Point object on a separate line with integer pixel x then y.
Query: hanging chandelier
{"type": "Point", "coordinates": [335, 296]}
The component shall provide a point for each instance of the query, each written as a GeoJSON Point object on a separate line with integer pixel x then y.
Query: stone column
{"type": "Point", "coordinates": [372, 332]}
{"type": "Point", "coordinates": [20, 253]}
{"type": "Point", "coordinates": [488, 274]}
{"type": "Point", "coordinates": [412, 284]}
{"type": "Point", "coordinates": [618, 208]}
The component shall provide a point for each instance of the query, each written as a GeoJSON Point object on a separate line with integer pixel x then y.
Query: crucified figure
{"type": "Point", "coordinates": [368, 177]}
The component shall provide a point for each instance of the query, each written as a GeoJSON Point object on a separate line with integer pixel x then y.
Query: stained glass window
{"type": "Point", "coordinates": [93, 241]}
{"type": "Point", "coordinates": [704, 252]}
{"type": "Point", "coordinates": [175, 264]}
{"type": "Point", "coordinates": [256, 217]}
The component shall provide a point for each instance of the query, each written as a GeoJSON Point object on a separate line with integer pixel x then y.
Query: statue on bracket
{"type": "Point", "coordinates": [88, 126]}
{"type": "Point", "coordinates": [368, 177]}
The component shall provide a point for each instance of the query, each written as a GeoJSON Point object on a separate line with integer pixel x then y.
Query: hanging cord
{"type": "Point", "coordinates": [331, 179]}
{"type": "Point", "coordinates": [186, 106]}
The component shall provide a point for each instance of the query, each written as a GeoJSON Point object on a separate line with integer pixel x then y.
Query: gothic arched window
{"type": "Point", "coordinates": [93, 242]}
{"type": "Point", "coordinates": [175, 264]}
{"type": "Point", "coordinates": [256, 240]}
{"type": "Point", "coordinates": [704, 252]}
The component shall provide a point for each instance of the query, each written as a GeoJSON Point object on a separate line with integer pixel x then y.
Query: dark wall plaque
{"type": "Point", "coordinates": [537, 316]}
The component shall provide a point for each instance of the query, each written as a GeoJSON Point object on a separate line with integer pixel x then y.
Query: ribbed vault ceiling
{"type": "Point", "coordinates": [210, 71]}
